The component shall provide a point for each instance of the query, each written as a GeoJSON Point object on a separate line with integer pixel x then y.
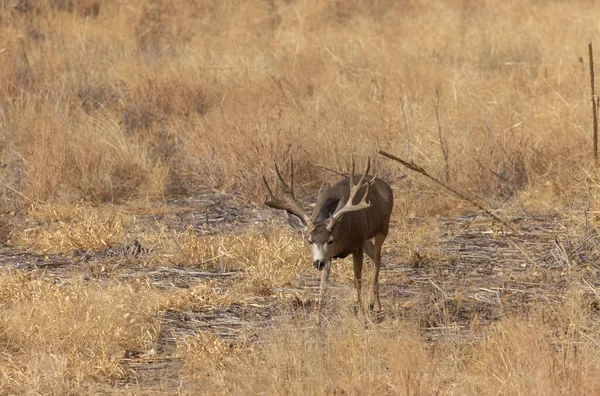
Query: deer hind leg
{"type": "Point", "coordinates": [370, 251]}
{"type": "Point", "coordinates": [357, 259]}
{"type": "Point", "coordinates": [375, 256]}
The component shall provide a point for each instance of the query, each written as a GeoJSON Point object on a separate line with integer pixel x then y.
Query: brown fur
{"type": "Point", "coordinates": [355, 233]}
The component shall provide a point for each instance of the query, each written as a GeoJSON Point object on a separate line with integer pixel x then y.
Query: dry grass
{"type": "Point", "coordinates": [109, 110]}
{"type": "Point", "coordinates": [342, 358]}
{"type": "Point", "coordinates": [267, 258]}
{"type": "Point", "coordinates": [168, 97]}
{"type": "Point", "coordinates": [62, 338]}
{"type": "Point", "coordinates": [553, 351]}
{"type": "Point", "coordinates": [63, 228]}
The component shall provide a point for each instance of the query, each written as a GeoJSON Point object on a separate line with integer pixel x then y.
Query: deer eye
{"type": "Point", "coordinates": [330, 242]}
{"type": "Point", "coordinates": [309, 242]}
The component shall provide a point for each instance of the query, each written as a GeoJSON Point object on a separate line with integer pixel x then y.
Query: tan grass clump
{"type": "Point", "coordinates": [62, 229]}
{"type": "Point", "coordinates": [60, 338]}
{"type": "Point", "coordinates": [270, 258]}
{"type": "Point", "coordinates": [267, 257]}
{"type": "Point", "coordinates": [299, 358]}
{"type": "Point", "coordinates": [553, 351]}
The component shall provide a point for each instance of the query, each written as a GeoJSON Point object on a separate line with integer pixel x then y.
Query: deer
{"type": "Point", "coordinates": [350, 217]}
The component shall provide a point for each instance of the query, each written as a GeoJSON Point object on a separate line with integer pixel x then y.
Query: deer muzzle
{"type": "Point", "coordinates": [319, 264]}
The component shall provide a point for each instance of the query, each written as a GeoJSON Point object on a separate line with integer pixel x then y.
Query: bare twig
{"type": "Point", "coordinates": [416, 168]}
{"type": "Point", "coordinates": [408, 148]}
{"type": "Point", "coordinates": [493, 135]}
{"type": "Point", "coordinates": [443, 141]}
{"type": "Point", "coordinates": [591, 288]}
{"type": "Point", "coordinates": [527, 256]}
{"type": "Point", "coordinates": [337, 172]}
{"type": "Point", "coordinates": [562, 252]}
{"type": "Point", "coordinates": [594, 102]}
{"type": "Point", "coordinates": [18, 192]}
{"type": "Point", "coordinates": [438, 288]}
{"type": "Point", "coordinates": [499, 176]}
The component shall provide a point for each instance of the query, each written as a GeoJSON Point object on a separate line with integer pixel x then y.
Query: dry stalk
{"type": "Point", "coordinates": [335, 171]}
{"type": "Point", "coordinates": [495, 138]}
{"type": "Point", "coordinates": [497, 141]}
{"type": "Point", "coordinates": [594, 102]}
{"type": "Point", "coordinates": [408, 148]}
{"type": "Point", "coordinates": [416, 168]}
{"type": "Point", "coordinates": [443, 141]}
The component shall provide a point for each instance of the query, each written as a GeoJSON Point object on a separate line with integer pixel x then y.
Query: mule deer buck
{"type": "Point", "coordinates": [350, 217]}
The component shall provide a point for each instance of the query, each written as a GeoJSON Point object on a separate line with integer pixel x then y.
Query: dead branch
{"type": "Point", "coordinates": [416, 168]}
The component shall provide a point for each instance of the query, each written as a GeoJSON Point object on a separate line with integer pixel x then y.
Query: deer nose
{"type": "Point", "coordinates": [319, 264]}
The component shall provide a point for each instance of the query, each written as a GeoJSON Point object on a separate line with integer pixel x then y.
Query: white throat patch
{"type": "Point", "coordinates": [319, 252]}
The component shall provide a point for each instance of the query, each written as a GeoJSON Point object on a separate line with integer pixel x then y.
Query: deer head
{"type": "Point", "coordinates": [324, 237]}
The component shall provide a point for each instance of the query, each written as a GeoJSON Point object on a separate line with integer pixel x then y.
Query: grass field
{"type": "Point", "coordinates": [137, 257]}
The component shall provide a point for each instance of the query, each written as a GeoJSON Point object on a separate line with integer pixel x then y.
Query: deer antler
{"type": "Point", "coordinates": [291, 207]}
{"type": "Point", "coordinates": [354, 188]}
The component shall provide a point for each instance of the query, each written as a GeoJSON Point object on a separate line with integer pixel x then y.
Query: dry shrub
{"type": "Point", "coordinates": [60, 338]}
{"type": "Point", "coordinates": [343, 357]}
{"type": "Point", "coordinates": [269, 258]}
{"type": "Point", "coordinates": [68, 157]}
{"type": "Point", "coordinates": [7, 229]}
{"type": "Point", "coordinates": [206, 354]}
{"type": "Point", "coordinates": [552, 352]}
{"type": "Point", "coordinates": [414, 238]}
{"type": "Point", "coordinates": [191, 250]}
{"type": "Point", "coordinates": [203, 294]}
{"type": "Point", "coordinates": [63, 229]}
{"type": "Point", "coordinates": [266, 256]}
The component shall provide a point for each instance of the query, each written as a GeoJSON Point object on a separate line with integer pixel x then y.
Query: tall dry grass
{"type": "Point", "coordinates": [106, 101]}
{"type": "Point", "coordinates": [552, 351]}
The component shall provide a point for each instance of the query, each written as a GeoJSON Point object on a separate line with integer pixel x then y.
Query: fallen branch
{"type": "Point", "coordinates": [416, 168]}
{"type": "Point", "coordinates": [191, 274]}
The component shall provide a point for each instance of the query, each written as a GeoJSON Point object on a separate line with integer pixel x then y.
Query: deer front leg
{"type": "Point", "coordinates": [324, 279]}
{"type": "Point", "coordinates": [357, 259]}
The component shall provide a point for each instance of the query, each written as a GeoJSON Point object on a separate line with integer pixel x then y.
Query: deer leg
{"type": "Point", "coordinates": [375, 304]}
{"type": "Point", "coordinates": [357, 258]}
{"type": "Point", "coordinates": [369, 250]}
{"type": "Point", "coordinates": [324, 279]}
